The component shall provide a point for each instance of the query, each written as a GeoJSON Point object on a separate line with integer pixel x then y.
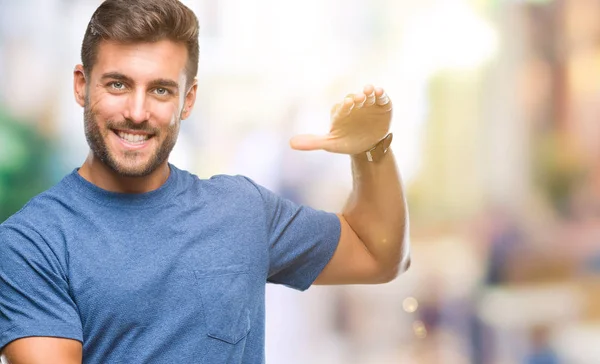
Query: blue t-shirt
{"type": "Point", "coordinates": [176, 275]}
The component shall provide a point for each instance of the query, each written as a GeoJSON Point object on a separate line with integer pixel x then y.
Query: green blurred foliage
{"type": "Point", "coordinates": [25, 159]}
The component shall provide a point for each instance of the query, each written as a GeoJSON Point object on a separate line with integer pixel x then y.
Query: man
{"type": "Point", "coordinates": [131, 260]}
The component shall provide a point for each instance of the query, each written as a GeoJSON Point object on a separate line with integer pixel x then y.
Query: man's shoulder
{"type": "Point", "coordinates": [224, 193]}
{"type": "Point", "coordinates": [27, 224]}
{"type": "Point", "coordinates": [41, 209]}
{"type": "Point", "coordinates": [218, 184]}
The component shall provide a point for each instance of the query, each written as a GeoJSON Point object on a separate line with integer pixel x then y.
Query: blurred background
{"type": "Point", "coordinates": [496, 135]}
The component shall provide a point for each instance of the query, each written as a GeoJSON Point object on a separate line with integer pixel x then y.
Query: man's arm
{"type": "Point", "coordinates": [42, 350]}
{"type": "Point", "coordinates": [37, 313]}
{"type": "Point", "coordinates": [373, 245]}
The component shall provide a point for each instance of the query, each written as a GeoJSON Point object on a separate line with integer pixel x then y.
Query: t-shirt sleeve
{"type": "Point", "coordinates": [34, 289]}
{"type": "Point", "coordinates": [301, 240]}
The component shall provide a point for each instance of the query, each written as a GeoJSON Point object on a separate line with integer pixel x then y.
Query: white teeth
{"type": "Point", "coordinates": [133, 138]}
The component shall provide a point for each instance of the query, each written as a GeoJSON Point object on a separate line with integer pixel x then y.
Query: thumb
{"type": "Point", "coordinates": [308, 142]}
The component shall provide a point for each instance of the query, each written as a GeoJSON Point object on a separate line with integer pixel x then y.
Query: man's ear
{"type": "Point", "coordinates": [189, 100]}
{"type": "Point", "coordinates": [79, 83]}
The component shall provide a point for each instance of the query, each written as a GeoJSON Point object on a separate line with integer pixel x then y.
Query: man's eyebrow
{"type": "Point", "coordinates": [164, 82]}
{"type": "Point", "coordinates": [116, 76]}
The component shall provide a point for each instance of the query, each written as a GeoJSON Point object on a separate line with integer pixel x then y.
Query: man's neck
{"type": "Point", "coordinates": [96, 172]}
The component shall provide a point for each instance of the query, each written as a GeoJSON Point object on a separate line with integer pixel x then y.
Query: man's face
{"type": "Point", "coordinates": [134, 100]}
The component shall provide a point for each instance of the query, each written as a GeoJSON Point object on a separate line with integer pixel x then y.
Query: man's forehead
{"type": "Point", "coordinates": [161, 59]}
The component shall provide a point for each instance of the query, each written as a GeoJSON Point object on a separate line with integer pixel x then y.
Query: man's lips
{"type": "Point", "coordinates": [136, 138]}
{"type": "Point", "coordinates": [132, 131]}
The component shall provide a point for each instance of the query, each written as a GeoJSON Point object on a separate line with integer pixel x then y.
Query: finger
{"type": "Point", "coordinates": [370, 99]}
{"type": "Point", "coordinates": [383, 99]}
{"type": "Point", "coordinates": [359, 100]}
{"type": "Point", "coordinates": [347, 106]}
{"type": "Point", "coordinates": [369, 92]}
{"type": "Point", "coordinates": [334, 109]}
{"type": "Point", "coordinates": [308, 142]}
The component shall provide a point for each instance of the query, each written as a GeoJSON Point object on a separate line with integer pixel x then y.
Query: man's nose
{"type": "Point", "coordinates": [137, 108]}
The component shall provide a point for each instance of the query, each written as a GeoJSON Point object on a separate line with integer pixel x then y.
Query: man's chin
{"type": "Point", "coordinates": [141, 169]}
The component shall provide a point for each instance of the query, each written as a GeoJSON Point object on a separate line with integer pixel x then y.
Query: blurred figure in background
{"type": "Point", "coordinates": [541, 350]}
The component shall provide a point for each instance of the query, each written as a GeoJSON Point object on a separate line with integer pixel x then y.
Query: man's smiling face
{"type": "Point", "coordinates": [133, 105]}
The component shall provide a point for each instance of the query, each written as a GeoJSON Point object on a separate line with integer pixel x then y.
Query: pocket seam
{"type": "Point", "coordinates": [208, 273]}
{"type": "Point", "coordinates": [245, 316]}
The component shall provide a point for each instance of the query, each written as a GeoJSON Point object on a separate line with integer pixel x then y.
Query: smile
{"type": "Point", "coordinates": [132, 138]}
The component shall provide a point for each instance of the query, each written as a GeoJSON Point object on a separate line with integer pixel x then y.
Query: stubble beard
{"type": "Point", "coordinates": [129, 164]}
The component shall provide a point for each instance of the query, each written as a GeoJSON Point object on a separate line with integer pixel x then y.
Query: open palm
{"type": "Point", "coordinates": [357, 123]}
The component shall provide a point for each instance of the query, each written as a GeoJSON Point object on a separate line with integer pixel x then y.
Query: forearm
{"type": "Point", "coordinates": [377, 211]}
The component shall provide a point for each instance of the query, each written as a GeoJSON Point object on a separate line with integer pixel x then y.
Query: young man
{"type": "Point", "coordinates": [131, 260]}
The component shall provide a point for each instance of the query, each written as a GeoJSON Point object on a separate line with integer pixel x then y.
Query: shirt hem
{"type": "Point", "coordinates": [16, 333]}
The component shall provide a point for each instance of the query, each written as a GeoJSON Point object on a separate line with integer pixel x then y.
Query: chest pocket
{"type": "Point", "coordinates": [226, 299]}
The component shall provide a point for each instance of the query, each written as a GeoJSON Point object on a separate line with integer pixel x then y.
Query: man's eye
{"type": "Point", "coordinates": [117, 85]}
{"type": "Point", "coordinates": [161, 91]}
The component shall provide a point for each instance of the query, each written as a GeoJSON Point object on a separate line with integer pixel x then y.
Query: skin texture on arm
{"type": "Point", "coordinates": [42, 350]}
{"type": "Point", "coordinates": [373, 245]}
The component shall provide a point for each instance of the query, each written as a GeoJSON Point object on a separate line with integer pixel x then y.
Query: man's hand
{"type": "Point", "coordinates": [357, 123]}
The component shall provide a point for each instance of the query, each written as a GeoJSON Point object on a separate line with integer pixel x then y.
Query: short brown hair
{"type": "Point", "coordinates": [132, 21]}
